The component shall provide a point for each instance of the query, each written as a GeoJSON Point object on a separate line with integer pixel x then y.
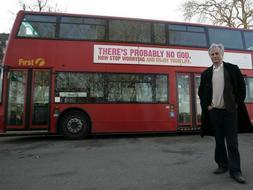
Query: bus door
{"type": "Point", "coordinates": [188, 102]}
{"type": "Point", "coordinates": [28, 99]}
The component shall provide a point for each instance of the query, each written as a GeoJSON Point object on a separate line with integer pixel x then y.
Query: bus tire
{"type": "Point", "coordinates": [75, 125]}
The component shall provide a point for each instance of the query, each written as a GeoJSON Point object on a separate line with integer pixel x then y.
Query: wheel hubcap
{"type": "Point", "coordinates": [75, 125]}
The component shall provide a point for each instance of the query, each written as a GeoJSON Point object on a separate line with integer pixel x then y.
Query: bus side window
{"type": "Point", "coordinates": [249, 89]}
{"type": "Point", "coordinates": [248, 40]}
{"type": "Point", "coordinates": [1, 83]}
{"type": "Point", "coordinates": [187, 35]}
{"type": "Point", "coordinates": [130, 31]}
{"type": "Point", "coordinates": [82, 28]}
{"type": "Point", "coordinates": [159, 33]}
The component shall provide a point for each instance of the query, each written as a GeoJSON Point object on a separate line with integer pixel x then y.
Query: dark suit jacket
{"type": "Point", "coordinates": [234, 95]}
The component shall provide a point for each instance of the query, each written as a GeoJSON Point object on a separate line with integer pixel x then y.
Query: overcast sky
{"type": "Point", "coordinates": [169, 10]}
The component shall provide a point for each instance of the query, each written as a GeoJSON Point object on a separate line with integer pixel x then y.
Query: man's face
{"type": "Point", "coordinates": [216, 56]}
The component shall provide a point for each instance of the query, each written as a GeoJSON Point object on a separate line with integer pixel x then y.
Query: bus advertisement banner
{"type": "Point", "coordinates": [163, 56]}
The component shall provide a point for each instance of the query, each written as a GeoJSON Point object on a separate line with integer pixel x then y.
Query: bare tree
{"type": "Point", "coordinates": [231, 13]}
{"type": "Point", "coordinates": [39, 5]}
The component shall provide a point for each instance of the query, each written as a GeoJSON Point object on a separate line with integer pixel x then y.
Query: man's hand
{"type": "Point", "coordinates": [210, 108]}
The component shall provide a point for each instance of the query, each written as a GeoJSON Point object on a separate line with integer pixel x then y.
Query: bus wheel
{"type": "Point", "coordinates": [74, 125]}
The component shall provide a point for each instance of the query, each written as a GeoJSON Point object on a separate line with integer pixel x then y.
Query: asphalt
{"type": "Point", "coordinates": [117, 162]}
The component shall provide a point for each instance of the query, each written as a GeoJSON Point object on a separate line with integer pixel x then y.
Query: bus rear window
{"type": "Point", "coordinates": [36, 26]}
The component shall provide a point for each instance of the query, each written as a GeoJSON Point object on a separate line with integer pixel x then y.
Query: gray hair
{"type": "Point", "coordinates": [219, 46]}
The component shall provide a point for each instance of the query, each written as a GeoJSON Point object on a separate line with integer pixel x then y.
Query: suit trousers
{"type": "Point", "coordinates": [225, 126]}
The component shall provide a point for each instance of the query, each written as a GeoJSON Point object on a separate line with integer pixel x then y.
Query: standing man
{"type": "Point", "coordinates": [222, 92]}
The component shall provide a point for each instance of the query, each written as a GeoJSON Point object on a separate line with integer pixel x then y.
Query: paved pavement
{"type": "Point", "coordinates": [132, 162]}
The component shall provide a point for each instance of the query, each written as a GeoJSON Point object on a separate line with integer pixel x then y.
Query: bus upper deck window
{"type": "Point", "coordinates": [248, 40]}
{"type": "Point", "coordinates": [37, 26]}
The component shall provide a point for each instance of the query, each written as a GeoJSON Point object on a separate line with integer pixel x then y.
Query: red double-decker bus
{"type": "Point", "coordinates": [81, 74]}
